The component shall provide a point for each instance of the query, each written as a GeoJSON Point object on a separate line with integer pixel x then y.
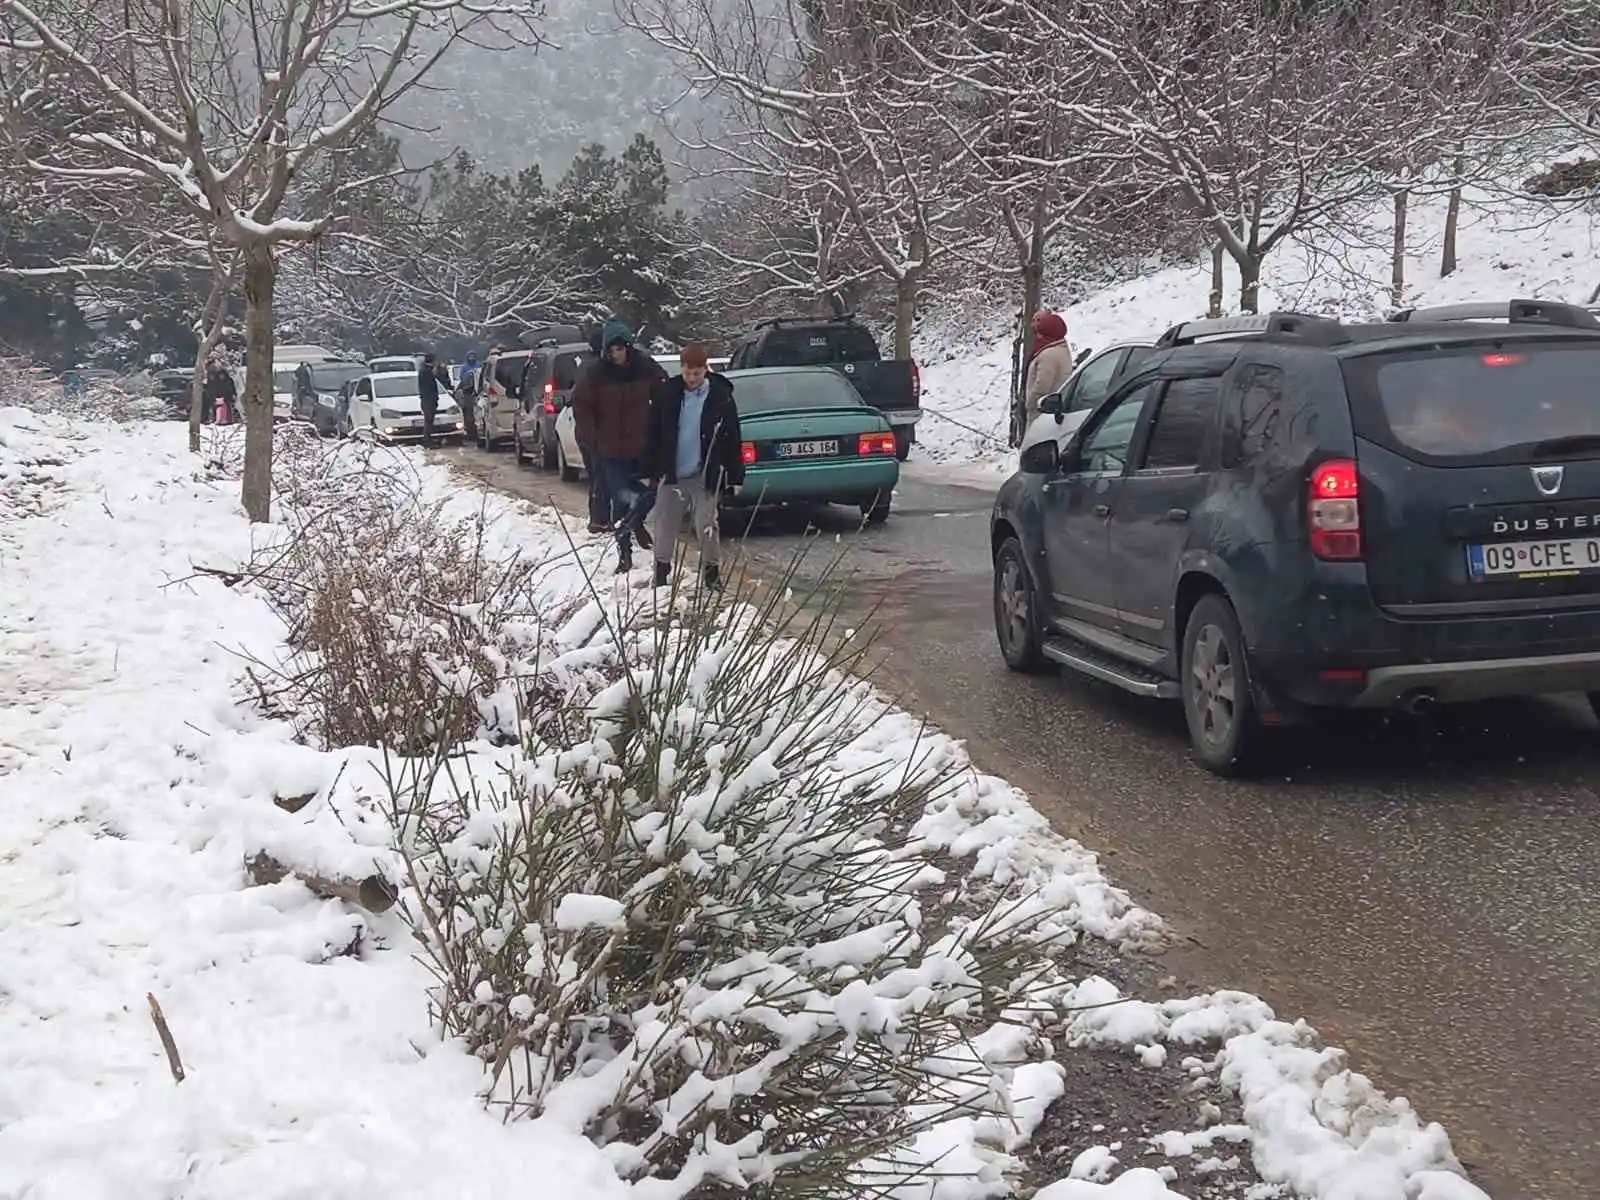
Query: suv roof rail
{"type": "Point", "coordinates": [1519, 312]}
{"type": "Point", "coordinates": [1290, 326]}
{"type": "Point", "coordinates": [836, 319]}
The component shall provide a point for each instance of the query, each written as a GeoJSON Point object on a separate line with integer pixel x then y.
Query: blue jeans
{"type": "Point", "coordinates": [631, 501]}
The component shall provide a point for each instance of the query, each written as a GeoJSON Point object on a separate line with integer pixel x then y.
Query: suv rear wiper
{"type": "Point", "coordinates": [1559, 447]}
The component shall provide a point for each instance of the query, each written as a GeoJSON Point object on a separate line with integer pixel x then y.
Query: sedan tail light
{"type": "Point", "coordinates": [875, 443]}
{"type": "Point", "coordinates": [747, 453]}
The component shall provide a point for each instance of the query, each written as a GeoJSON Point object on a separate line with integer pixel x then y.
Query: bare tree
{"type": "Point", "coordinates": [220, 105]}
{"type": "Point", "coordinates": [1265, 120]}
{"type": "Point", "coordinates": [209, 328]}
{"type": "Point", "coordinates": [858, 175]}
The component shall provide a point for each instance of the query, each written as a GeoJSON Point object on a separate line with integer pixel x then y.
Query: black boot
{"type": "Point", "coordinates": [624, 560]}
{"type": "Point", "coordinates": [711, 577]}
{"type": "Point", "coordinates": [663, 574]}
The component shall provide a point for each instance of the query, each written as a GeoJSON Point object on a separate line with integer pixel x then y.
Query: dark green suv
{"type": "Point", "coordinates": [1280, 514]}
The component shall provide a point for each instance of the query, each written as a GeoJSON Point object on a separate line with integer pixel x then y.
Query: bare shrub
{"type": "Point", "coordinates": [703, 931]}
{"type": "Point", "coordinates": [405, 623]}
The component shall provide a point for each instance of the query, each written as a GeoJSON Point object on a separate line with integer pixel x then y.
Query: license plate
{"type": "Point", "coordinates": [806, 449]}
{"type": "Point", "coordinates": [1533, 560]}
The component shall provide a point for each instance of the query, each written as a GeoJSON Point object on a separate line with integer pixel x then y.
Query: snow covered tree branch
{"type": "Point", "coordinates": [218, 107]}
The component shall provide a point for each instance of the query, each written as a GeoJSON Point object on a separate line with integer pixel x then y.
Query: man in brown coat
{"type": "Point", "coordinates": [611, 406]}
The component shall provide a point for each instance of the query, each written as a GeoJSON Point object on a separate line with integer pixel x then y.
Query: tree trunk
{"type": "Point", "coordinates": [905, 311]}
{"type": "Point", "coordinates": [260, 280]}
{"type": "Point", "coordinates": [1250, 283]}
{"type": "Point", "coordinates": [212, 319]}
{"type": "Point", "coordinates": [1397, 259]}
{"type": "Point", "coordinates": [1452, 219]}
{"type": "Point", "coordinates": [1032, 302]}
{"type": "Point", "coordinates": [1214, 301]}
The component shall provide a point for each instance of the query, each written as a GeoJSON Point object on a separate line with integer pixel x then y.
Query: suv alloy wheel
{"type": "Point", "coordinates": [1217, 701]}
{"type": "Point", "coordinates": [1016, 610]}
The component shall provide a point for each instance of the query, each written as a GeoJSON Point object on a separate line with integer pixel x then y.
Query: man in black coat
{"type": "Point", "coordinates": [692, 453]}
{"type": "Point", "coordinates": [431, 375]}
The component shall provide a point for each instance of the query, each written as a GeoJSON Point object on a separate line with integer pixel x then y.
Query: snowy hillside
{"type": "Point", "coordinates": [1506, 250]}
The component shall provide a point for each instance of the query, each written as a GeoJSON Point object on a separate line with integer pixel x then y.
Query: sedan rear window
{"type": "Point", "coordinates": [762, 393]}
{"type": "Point", "coordinates": [1505, 402]}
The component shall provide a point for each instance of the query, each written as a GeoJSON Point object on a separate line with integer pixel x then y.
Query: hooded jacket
{"type": "Point", "coordinates": [1051, 364]}
{"type": "Point", "coordinates": [611, 403]}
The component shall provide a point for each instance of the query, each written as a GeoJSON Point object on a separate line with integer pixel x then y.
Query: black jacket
{"type": "Point", "coordinates": [719, 435]}
{"type": "Point", "coordinates": [428, 382]}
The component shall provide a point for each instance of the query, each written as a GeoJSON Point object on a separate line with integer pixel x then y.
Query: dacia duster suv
{"type": "Point", "coordinates": [1279, 514]}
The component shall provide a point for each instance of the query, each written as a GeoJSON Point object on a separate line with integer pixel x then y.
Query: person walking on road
{"type": "Point", "coordinates": [692, 455]}
{"type": "Point", "coordinates": [611, 403]}
{"type": "Point", "coordinates": [1050, 365]}
{"type": "Point", "coordinates": [467, 397]}
{"type": "Point", "coordinates": [431, 376]}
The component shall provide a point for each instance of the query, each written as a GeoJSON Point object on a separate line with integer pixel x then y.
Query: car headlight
{"type": "Point", "coordinates": [327, 398]}
{"type": "Point", "coordinates": [448, 410]}
{"type": "Point", "coordinates": [389, 414]}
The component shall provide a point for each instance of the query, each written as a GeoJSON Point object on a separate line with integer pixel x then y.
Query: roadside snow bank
{"type": "Point", "coordinates": [135, 785]}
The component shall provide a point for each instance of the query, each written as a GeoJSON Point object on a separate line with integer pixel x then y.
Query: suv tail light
{"type": "Point", "coordinates": [549, 393]}
{"type": "Point", "coordinates": [875, 443]}
{"type": "Point", "coordinates": [916, 383]}
{"type": "Point", "coordinates": [1333, 511]}
{"type": "Point", "coordinates": [747, 453]}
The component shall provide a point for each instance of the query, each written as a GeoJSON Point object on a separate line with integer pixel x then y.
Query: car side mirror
{"type": "Point", "coordinates": [1039, 458]}
{"type": "Point", "coordinates": [1082, 354]}
{"type": "Point", "coordinates": [1053, 404]}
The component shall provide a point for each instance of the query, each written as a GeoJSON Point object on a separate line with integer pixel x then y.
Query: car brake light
{"type": "Point", "coordinates": [916, 382]}
{"type": "Point", "coordinates": [549, 392]}
{"type": "Point", "coordinates": [747, 453]}
{"type": "Point", "coordinates": [1333, 511]}
{"type": "Point", "coordinates": [1501, 360]}
{"type": "Point", "coordinates": [875, 443]}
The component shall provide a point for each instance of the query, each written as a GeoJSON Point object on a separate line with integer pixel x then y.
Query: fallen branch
{"type": "Point", "coordinates": [374, 893]}
{"type": "Point", "coordinates": [167, 1042]}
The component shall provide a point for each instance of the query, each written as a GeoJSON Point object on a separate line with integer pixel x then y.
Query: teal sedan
{"type": "Point", "coordinates": [808, 438]}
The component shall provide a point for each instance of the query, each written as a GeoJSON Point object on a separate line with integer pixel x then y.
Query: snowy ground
{"type": "Point", "coordinates": [138, 779]}
{"type": "Point", "coordinates": [1506, 250]}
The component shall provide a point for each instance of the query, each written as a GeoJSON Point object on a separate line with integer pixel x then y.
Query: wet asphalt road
{"type": "Point", "coordinates": [1430, 902]}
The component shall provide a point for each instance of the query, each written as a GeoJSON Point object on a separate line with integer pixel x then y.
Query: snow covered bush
{"type": "Point", "coordinates": [694, 918]}
{"type": "Point", "coordinates": [670, 861]}
{"type": "Point", "coordinates": [405, 623]}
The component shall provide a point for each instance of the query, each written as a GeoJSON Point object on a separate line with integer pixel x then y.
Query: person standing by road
{"type": "Point", "coordinates": [221, 394]}
{"type": "Point", "coordinates": [692, 455]}
{"type": "Point", "coordinates": [431, 376]}
{"type": "Point", "coordinates": [611, 404]}
{"type": "Point", "coordinates": [1050, 365]}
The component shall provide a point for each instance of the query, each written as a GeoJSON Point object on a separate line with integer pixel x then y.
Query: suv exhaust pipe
{"type": "Point", "coordinates": [1418, 704]}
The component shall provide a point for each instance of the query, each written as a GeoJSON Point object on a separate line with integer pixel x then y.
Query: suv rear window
{"type": "Point", "coordinates": [1506, 402]}
{"type": "Point", "coordinates": [818, 346]}
{"type": "Point", "coordinates": [569, 364]}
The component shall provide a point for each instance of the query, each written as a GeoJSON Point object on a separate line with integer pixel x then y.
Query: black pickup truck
{"type": "Point", "coordinates": [892, 386]}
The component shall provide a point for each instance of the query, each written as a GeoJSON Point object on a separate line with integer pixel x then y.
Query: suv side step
{"type": "Point", "coordinates": [1104, 667]}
